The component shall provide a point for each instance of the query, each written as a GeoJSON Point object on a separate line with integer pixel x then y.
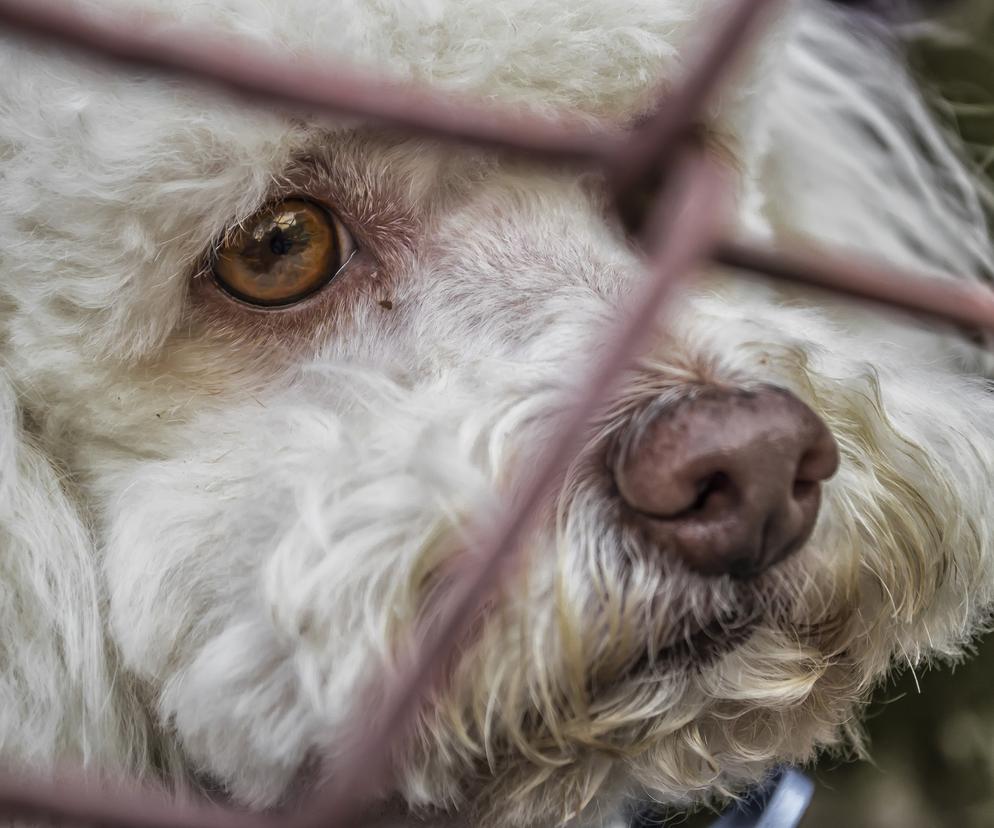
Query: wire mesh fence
{"type": "Point", "coordinates": [670, 194]}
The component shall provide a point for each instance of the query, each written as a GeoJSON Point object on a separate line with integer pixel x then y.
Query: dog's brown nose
{"type": "Point", "coordinates": [729, 480]}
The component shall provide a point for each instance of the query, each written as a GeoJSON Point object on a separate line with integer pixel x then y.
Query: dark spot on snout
{"type": "Point", "coordinates": [386, 304]}
{"type": "Point", "coordinates": [729, 481]}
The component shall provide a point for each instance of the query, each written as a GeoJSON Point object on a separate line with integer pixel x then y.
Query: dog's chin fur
{"type": "Point", "coordinates": [219, 527]}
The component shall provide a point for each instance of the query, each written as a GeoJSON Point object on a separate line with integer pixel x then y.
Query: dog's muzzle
{"type": "Point", "coordinates": [727, 480]}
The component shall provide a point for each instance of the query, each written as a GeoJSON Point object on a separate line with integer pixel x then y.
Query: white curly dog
{"type": "Point", "coordinates": [260, 372]}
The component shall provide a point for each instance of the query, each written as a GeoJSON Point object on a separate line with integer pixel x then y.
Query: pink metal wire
{"type": "Point", "coordinates": [681, 227]}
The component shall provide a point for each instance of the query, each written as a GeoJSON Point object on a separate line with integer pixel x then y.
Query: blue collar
{"type": "Point", "coordinates": [778, 803]}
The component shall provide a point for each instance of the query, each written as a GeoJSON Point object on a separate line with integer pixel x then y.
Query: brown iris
{"type": "Point", "coordinates": [282, 254]}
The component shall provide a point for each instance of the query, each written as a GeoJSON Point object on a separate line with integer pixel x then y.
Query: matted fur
{"type": "Point", "coordinates": [218, 527]}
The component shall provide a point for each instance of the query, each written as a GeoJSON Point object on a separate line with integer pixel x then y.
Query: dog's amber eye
{"type": "Point", "coordinates": [282, 254]}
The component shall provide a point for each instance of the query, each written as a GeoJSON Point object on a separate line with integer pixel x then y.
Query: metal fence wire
{"type": "Point", "coordinates": [670, 194]}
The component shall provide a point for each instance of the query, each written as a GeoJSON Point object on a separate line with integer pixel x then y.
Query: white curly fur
{"type": "Point", "coordinates": [217, 527]}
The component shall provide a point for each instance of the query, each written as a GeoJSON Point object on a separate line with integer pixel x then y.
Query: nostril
{"type": "Point", "coordinates": [803, 489]}
{"type": "Point", "coordinates": [709, 489]}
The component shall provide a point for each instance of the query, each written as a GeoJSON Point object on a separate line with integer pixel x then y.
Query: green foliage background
{"type": "Point", "coordinates": [956, 65]}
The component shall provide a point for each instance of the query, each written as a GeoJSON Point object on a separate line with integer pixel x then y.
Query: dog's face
{"type": "Point", "coordinates": [290, 365]}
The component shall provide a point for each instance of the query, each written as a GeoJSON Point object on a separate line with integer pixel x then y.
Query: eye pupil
{"type": "Point", "coordinates": [280, 244]}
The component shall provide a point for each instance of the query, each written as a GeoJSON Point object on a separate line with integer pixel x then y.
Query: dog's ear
{"type": "Point", "coordinates": [54, 665]}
